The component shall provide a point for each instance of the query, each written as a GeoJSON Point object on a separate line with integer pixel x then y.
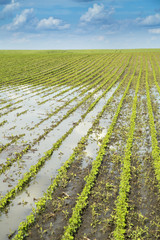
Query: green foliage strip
{"type": "Point", "coordinates": [155, 147]}
{"type": "Point", "coordinates": [122, 204]}
{"type": "Point", "coordinates": [22, 230]}
{"type": "Point", "coordinates": [19, 155]}
{"type": "Point", "coordinates": [75, 220]}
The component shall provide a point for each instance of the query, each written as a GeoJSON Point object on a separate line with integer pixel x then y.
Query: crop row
{"type": "Point", "coordinates": [59, 84]}
{"type": "Point", "coordinates": [14, 139]}
{"type": "Point", "coordinates": [95, 83]}
{"type": "Point", "coordinates": [51, 81]}
{"type": "Point", "coordinates": [154, 74]}
{"type": "Point", "coordinates": [44, 75]}
{"type": "Point", "coordinates": [81, 78]}
{"type": "Point", "coordinates": [155, 147]}
{"type": "Point", "coordinates": [19, 155]}
{"type": "Point", "coordinates": [81, 203]}
{"type": "Point", "coordinates": [2, 123]}
{"type": "Point", "coordinates": [40, 81]}
{"type": "Point", "coordinates": [38, 73]}
{"type": "Point", "coordinates": [40, 205]}
{"type": "Point", "coordinates": [124, 187]}
{"type": "Point", "coordinates": [34, 169]}
{"type": "Point", "coordinates": [76, 81]}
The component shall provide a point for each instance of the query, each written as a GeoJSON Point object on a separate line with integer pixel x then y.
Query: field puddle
{"type": "Point", "coordinates": [22, 205]}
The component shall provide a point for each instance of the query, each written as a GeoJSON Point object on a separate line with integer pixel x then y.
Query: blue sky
{"type": "Point", "coordinates": [79, 24]}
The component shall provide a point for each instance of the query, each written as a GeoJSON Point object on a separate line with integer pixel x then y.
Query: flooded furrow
{"type": "Point", "coordinates": [33, 115]}
{"type": "Point", "coordinates": [57, 133]}
{"type": "Point", "coordinates": [31, 120]}
{"type": "Point", "coordinates": [69, 197]}
{"type": "Point", "coordinates": [43, 178]}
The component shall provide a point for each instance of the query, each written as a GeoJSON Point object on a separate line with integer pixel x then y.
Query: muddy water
{"type": "Point", "coordinates": [20, 93]}
{"type": "Point", "coordinates": [35, 113]}
{"type": "Point", "coordinates": [95, 139]}
{"type": "Point", "coordinates": [45, 144]}
{"type": "Point", "coordinates": [25, 201]}
{"type": "Point", "coordinates": [19, 125]}
{"type": "Point", "coordinates": [22, 204]}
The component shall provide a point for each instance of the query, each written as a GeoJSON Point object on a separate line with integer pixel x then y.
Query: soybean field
{"type": "Point", "coordinates": [80, 144]}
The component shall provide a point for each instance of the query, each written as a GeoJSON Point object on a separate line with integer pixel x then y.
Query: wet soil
{"type": "Point", "coordinates": [98, 218]}
{"type": "Point", "coordinates": [144, 198]}
{"type": "Point", "coordinates": [97, 221]}
{"type": "Point", "coordinates": [51, 223]}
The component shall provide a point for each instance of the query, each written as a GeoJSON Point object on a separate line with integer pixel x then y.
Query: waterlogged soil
{"type": "Point", "coordinates": [97, 219]}
{"type": "Point", "coordinates": [26, 113]}
{"type": "Point", "coordinates": [144, 199]}
{"type": "Point", "coordinates": [22, 204]}
{"type": "Point", "coordinates": [97, 222]}
{"type": "Point", "coordinates": [51, 223]}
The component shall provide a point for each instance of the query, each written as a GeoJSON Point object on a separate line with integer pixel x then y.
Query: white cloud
{"type": "Point", "coordinates": [21, 20]}
{"type": "Point", "coordinates": [52, 23]}
{"type": "Point", "coordinates": [26, 20]}
{"type": "Point", "coordinates": [93, 13]}
{"type": "Point", "coordinates": [98, 20]}
{"type": "Point", "coordinates": [150, 20]}
{"type": "Point", "coordinates": [96, 16]}
{"type": "Point", "coordinates": [154, 30]}
{"type": "Point", "coordinates": [11, 7]}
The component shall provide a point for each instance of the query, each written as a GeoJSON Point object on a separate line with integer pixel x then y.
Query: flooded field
{"type": "Point", "coordinates": [80, 145]}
